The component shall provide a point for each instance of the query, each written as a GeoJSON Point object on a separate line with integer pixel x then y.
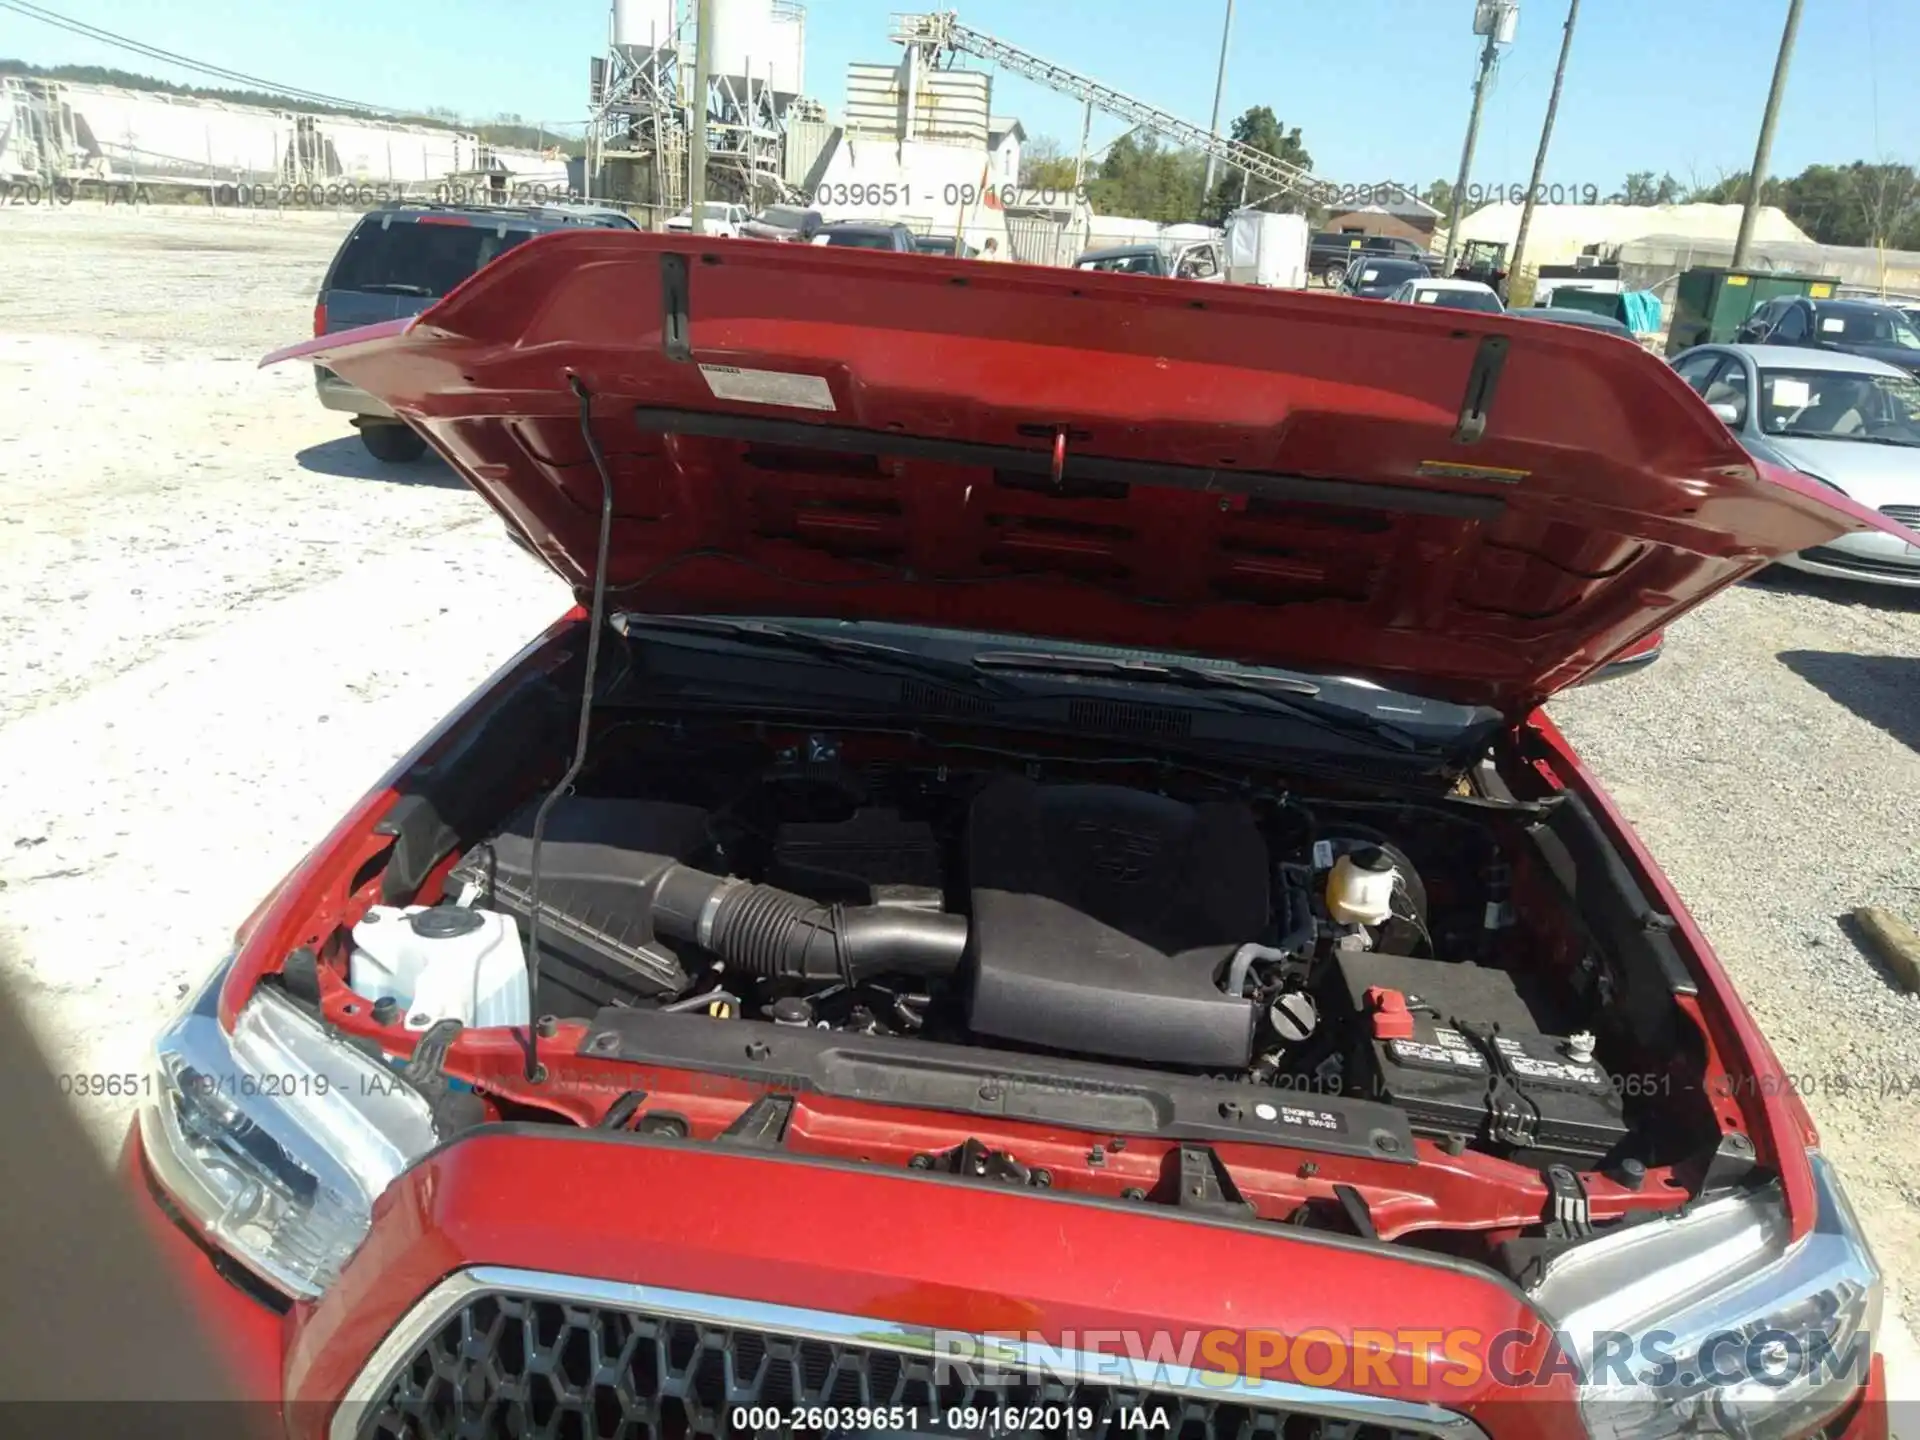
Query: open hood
{"type": "Point", "coordinates": [1449, 503]}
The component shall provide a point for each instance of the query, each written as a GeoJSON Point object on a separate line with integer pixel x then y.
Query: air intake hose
{"type": "Point", "coordinates": [774, 934]}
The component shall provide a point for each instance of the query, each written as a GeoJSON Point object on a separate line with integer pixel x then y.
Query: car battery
{"type": "Point", "coordinates": [1458, 1049]}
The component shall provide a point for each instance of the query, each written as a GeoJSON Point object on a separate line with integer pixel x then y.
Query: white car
{"type": "Point", "coordinates": [1450, 294]}
{"type": "Point", "coordinates": [720, 218]}
{"type": "Point", "coordinates": [1848, 421]}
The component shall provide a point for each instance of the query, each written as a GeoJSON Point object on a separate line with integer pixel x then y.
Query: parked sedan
{"type": "Point", "coordinates": [1855, 327]}
{"type": "Point", "coordinates": [1848, 421]}
{"type": "Point", "coordinates": [1379, 279]}
{"type": "Point", "coordinates": [1449, 295]}
{"type": "Point", "coordinates": [980, 914]}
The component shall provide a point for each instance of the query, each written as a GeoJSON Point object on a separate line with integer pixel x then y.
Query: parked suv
{"type": "Point", "coordinates": [1858, 327]}
{"type": "Point", "coordinates": [401, 258]}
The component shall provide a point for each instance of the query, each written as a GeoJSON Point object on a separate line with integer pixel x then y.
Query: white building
{"type": "Point", "coordinates": [57, 130]}
{"type": "Point", "coordinates": [1559, 233]}
{"type": "Point", "coordinates": [922, 147]}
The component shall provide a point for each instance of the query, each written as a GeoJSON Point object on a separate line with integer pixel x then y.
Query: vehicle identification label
{"type": "Point", "coordinates": [769, 387]}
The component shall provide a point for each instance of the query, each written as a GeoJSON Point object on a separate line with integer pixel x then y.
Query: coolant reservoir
{"type": "Point", "coordinates": [1360, 887]}
{"type": "Point", "coordinates": [444, 963]}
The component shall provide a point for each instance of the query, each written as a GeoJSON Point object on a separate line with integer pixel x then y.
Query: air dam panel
{"type": "Point", "coordinates": [1101, 917]}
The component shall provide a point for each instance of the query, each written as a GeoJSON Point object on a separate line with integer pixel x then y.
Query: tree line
{"type": "Point", "coordinates": [1138, 175]}
{"type": "Point", "coordinates": [1860, 203]}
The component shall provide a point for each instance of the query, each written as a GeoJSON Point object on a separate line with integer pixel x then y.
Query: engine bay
{"type": "Point", "coordinates": [1358, 970]}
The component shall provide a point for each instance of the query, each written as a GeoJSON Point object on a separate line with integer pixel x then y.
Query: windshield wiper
{"type": "Point", "coordinates": [1286, 693]}
{"type": "Point", "coordinates": [395, 288]}
{"type": "Point", "coordinates": [859, 654]}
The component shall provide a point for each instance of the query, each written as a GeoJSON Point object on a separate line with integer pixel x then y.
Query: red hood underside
{"type": "Point", "coordinates": [1449, 503]}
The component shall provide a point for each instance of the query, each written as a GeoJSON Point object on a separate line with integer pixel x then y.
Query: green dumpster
{"type": "Point", "coordinates": [1713, 302]}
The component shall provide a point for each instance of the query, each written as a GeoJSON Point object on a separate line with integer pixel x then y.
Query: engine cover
{"type": "Point", "coordinates": [1101, 916]}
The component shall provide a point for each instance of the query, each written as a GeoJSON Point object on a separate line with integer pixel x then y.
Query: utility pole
{"type": "Point", "coordinates": [1492, 16]}
{"type": "Point", "coordinates": [1080, 161]}
{"type": "Point", "coordinates": [1540, 156]}
{"type": "Point", "coordinates": [1219, 89]}
{"type": "Point", "coordinates": [1763, 155]}
{"type": "Point", "coordinates": [697, 114]}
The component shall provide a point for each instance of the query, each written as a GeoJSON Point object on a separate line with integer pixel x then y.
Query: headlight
{"type": "Point", "coordinates": [278, 1138]}
{"type": "Point", "coordinates": [1712, 1324]}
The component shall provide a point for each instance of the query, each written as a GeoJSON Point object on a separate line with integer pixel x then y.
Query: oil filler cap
{"type": "Point", "coordinates": [443, 922]}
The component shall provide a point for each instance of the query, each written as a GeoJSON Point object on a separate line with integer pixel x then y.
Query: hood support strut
{"type": "Point", "coordinates": [596, 618]}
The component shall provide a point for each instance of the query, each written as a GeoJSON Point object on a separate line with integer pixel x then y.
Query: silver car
{"type": "Point", "coordinates": [1850, 422]}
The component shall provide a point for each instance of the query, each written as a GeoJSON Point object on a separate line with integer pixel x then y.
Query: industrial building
{"type": "Point", "coordinates": [640, 98]}
{"type": "Point", "coordinates": [58, 131]}
{"type": "Point", "coordinates": [1399, 213]}
{"type": "Point", "coordinates": [923, 146]}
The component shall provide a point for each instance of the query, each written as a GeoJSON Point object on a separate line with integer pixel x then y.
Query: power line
{"type": "Point", "coordinates": [108, 37]}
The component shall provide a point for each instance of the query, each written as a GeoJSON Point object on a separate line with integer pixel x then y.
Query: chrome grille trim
{"type": "Point", "coordinates": [363, 1397]}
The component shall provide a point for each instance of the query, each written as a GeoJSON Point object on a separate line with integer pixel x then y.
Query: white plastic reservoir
{"type": "Point", "coordinates": [444, 963]}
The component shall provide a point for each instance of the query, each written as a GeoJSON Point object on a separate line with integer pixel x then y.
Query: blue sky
{"type": "Point", "coordinates": [1380, 88]}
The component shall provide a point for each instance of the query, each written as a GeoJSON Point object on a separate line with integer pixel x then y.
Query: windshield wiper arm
{"type": "Point", "coordinates": [859, 654]}
{"type": "Point", "coordinates": [1152, 672]}
{"type": "Point", "coordinates": [1285, 693]}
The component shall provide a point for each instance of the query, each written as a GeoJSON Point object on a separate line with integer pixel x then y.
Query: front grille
{"type": "Point", "coordinates": [1907, 515]}
{"type": "Point", "coordinates": [527, 1367]}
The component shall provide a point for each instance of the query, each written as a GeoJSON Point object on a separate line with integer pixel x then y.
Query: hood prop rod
{"type": "Point", "coordinates": [596, 616]}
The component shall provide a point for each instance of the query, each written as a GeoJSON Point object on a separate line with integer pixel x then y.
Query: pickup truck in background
{"type": "Point", "coordinates": [1331, 252]}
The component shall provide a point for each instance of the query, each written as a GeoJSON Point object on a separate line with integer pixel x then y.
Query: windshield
{"type": "Point", "coordinates": [1884, 409]}
{"type": "Point", "coordinates": [783, 216]}
{"type": "Point", "coordinates": [1868, 327]}
{"type": "Point", "coordinates": [1143, 263]}
{"type": "Point", "coordinates": [1461, 300]}
{"type": "Point", "coordinates": [1384, 272]}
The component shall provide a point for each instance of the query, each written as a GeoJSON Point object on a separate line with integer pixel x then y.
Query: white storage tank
{"type": "Point", "coordinates": [743, 41]}
{"type": "Point", "coordinates": [642, 27]}
{"type": "Point", "coordinates": [789, 68]}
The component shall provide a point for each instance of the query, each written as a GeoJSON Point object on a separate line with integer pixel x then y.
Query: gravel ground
{"type": "Point", "coordinates": [179, 520]}
{"type": "Point", "coordinates": [1770, 759]}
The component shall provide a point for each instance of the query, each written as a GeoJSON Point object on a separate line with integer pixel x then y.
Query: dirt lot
{"type": "Point", "coordinates": [223, 623]}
